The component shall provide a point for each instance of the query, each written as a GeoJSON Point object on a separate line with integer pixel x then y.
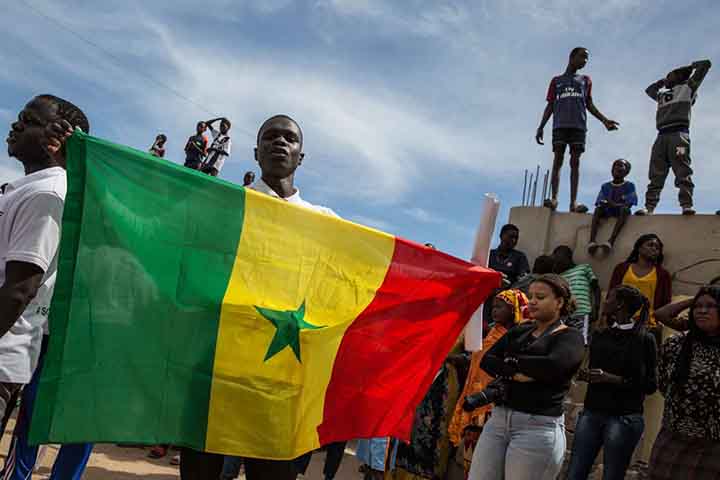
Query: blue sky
{"type": "Point", "coordinates": [412, 110]}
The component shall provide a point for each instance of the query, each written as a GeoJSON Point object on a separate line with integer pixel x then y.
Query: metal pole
{"type": "Point", "coordinates": [547, 195]}
{"type": "Point", "coordinates": [537, 178]}
{"type": "Point", "coordinates": [545, 184]}
{"type": "Point", "coordinates": [524, 187]}
{"type": "Point", "coordinates": [530, 190]}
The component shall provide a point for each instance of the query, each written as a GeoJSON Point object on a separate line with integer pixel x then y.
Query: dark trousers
{"type": "Point", "coordinates": [196, 465]}
{"type": "Point", "coordinates": [618, 435]}
{"type": "Point", "coordinates": [670, 151]}
{"type": "Point", "coordinates": [334, 453]}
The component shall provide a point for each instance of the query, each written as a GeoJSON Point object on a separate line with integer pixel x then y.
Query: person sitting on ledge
{"type": "Point", "coordinates": [614, 201]}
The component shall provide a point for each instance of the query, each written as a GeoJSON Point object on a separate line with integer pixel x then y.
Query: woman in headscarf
{"type": "Point", "coordinates": [509, 308]}
{"type": "Point", "coordinates": [688, 445]}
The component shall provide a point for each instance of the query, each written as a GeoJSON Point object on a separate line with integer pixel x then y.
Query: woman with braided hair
{"type": "Point", "coordinates": [622, 371]}
{"type": "Point", "coordinates": [525, 436]}
{"type": "Point", "coordinates": [688, 445]}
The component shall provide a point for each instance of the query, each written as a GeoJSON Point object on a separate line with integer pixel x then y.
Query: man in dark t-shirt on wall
{"type": "Point", "coordinates": [568, 97]}
{"type": "Point", "coordinates": [196, 147]}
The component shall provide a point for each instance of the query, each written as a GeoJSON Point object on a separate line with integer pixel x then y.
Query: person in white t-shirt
{"type": "Point", "coordinates": [279, 154]}
{"type": "Point", "coordinates": [219, 150]}
{"type": "Point", "coordinates": [30, 221]}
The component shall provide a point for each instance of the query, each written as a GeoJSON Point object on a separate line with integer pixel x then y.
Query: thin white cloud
{"type": "Point", "coordinates": [421, 215]}
{"type": "Point", "coordinates": [372, 222]}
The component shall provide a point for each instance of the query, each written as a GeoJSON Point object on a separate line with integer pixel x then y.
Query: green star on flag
{"type": "Point", "coordinates": [288, 325]}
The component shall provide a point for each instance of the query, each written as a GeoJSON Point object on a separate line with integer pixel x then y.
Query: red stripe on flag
{"type": "Point", "coordinates": [391, 353]}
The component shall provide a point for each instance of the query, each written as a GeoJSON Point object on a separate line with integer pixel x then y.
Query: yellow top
{"type": "Point", "coordinates": [647, 286]}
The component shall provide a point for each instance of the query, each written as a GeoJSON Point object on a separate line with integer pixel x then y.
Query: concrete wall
{"type": "Point", "coordinates": [687, 240]}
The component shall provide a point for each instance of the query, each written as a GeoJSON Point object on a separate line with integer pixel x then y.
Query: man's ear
{"type": "Point", "coordinates": [256, 158]}
{"type": "Point", "coordinates": [302, 157]}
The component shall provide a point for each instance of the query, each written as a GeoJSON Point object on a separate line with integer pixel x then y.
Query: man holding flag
{"type": "Point", "coordinates": [279, 154]}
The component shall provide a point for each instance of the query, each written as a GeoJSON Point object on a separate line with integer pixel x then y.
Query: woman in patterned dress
{"type": "Point", "coordinates": [688, 445]}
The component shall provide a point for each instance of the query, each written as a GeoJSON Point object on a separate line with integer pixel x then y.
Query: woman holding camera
{"type": "Point", "coordinates": [525, 436]}
{"type": "Point", "coordinates": [623, 370]}
{"type": "Point", "coordinates": [509, 308]}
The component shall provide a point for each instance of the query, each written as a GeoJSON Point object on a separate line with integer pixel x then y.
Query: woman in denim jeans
{"type": "Point", "coordinates": [525, 436]}
{"type": "Point", "coordinates": [623, 370]}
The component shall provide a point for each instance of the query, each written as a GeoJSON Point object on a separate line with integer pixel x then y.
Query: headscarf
{"type": "Point", "coordinates": [517, 301]}
{"type": "Point", "coordinates": [477, 378]}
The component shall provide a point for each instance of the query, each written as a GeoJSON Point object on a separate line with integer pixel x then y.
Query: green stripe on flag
{"type": "Point", "coordinates": [146, 253]}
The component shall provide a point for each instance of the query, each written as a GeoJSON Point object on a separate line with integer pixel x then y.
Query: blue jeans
{"type": "Point", "coordinates": [519, 446]}
{"type": "Point", "coordinates": [618, 435]}
{"type": "Point", "coordinates": [71, 459]}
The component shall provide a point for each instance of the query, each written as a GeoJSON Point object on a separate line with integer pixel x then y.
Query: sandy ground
{"type": "Point", "coordinates": [110, 462]}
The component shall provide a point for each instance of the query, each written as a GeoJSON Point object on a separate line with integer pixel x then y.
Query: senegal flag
{"type": "Point", "coordinates": [191, 311]}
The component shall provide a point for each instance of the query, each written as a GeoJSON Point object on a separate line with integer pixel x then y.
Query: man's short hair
{"type": "Point", "coordinates": [275, 117]}
{"type": "Point", "coordinates": [576, 50]}
{"type": "Point", "coordinates": [68, 111]}
{"type": "Point", "coordinates": [509, 227]}
{"type": "Point", "coordinates": [544, 264]}
{"type": "Point", "coordinates": [563, 250]}
{"type": "Point", "coordinates": [627, 164]}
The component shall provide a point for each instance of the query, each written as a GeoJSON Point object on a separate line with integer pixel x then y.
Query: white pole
{"type": "Point", "coordinates": [480, 254]}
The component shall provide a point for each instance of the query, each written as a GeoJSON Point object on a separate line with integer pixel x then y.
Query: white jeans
{"type": "Point", "coordinates": [519, 446]}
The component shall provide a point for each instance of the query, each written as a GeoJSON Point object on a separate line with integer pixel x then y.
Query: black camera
{"type": "Point", "coordinates": [495, 392]}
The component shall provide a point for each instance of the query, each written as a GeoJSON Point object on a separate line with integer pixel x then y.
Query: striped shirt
{"type": "Point", "coordinates": [580, 278]}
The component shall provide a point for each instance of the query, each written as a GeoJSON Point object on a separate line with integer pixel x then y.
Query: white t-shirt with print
{"type": "Point", "coordinates": [222, 143]}
{"type": "Point", "coordinates": [31, 210]}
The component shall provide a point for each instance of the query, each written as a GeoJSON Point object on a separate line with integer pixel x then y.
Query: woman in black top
{"type": "Point", "coordinates": [623, 369]}
{"type": "Point", "coordinates": [525, 436]}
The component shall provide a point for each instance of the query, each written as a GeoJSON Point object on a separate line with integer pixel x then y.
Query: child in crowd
{"type": "Point", "coordinates": [196, 147]}
{"type": "Point", "coordinates": [675, 95]}
{"type": "Point", "coordinates": [583, 285]}
{"type": "Point", "coordinates": [219, 149]}
{"type": "Point", "coordinates": [158, 148]}
{"type": "Point", "coordinates": [568, 97]}
{"type": "Point", "coordinates": [614, 201]}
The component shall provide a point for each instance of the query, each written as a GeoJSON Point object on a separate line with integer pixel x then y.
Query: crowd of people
{"type": "Point", "coordinates": [499, 409]}
{"type": "Point", "coordinates": [548, 329]}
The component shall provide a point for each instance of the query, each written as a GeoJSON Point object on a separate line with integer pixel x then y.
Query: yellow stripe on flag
{"type": "Point", "coordinates": [288, 257]}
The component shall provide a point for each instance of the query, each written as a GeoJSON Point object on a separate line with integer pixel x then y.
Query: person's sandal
{"type": "Point", "coordinates": [157, 451]}
{"type": "Point", "coordinates": [551, 204]}
{"type": "Point", "coordinates": [592, 248]}
{"type": "Point", "coordinates": [607, 246]}
{"type": "Point", "coordinates": [644, 211]}
{"type": "Point", "coordinates": [580, 208]}
{"type": "Point", "coordinates": [175, 460]}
